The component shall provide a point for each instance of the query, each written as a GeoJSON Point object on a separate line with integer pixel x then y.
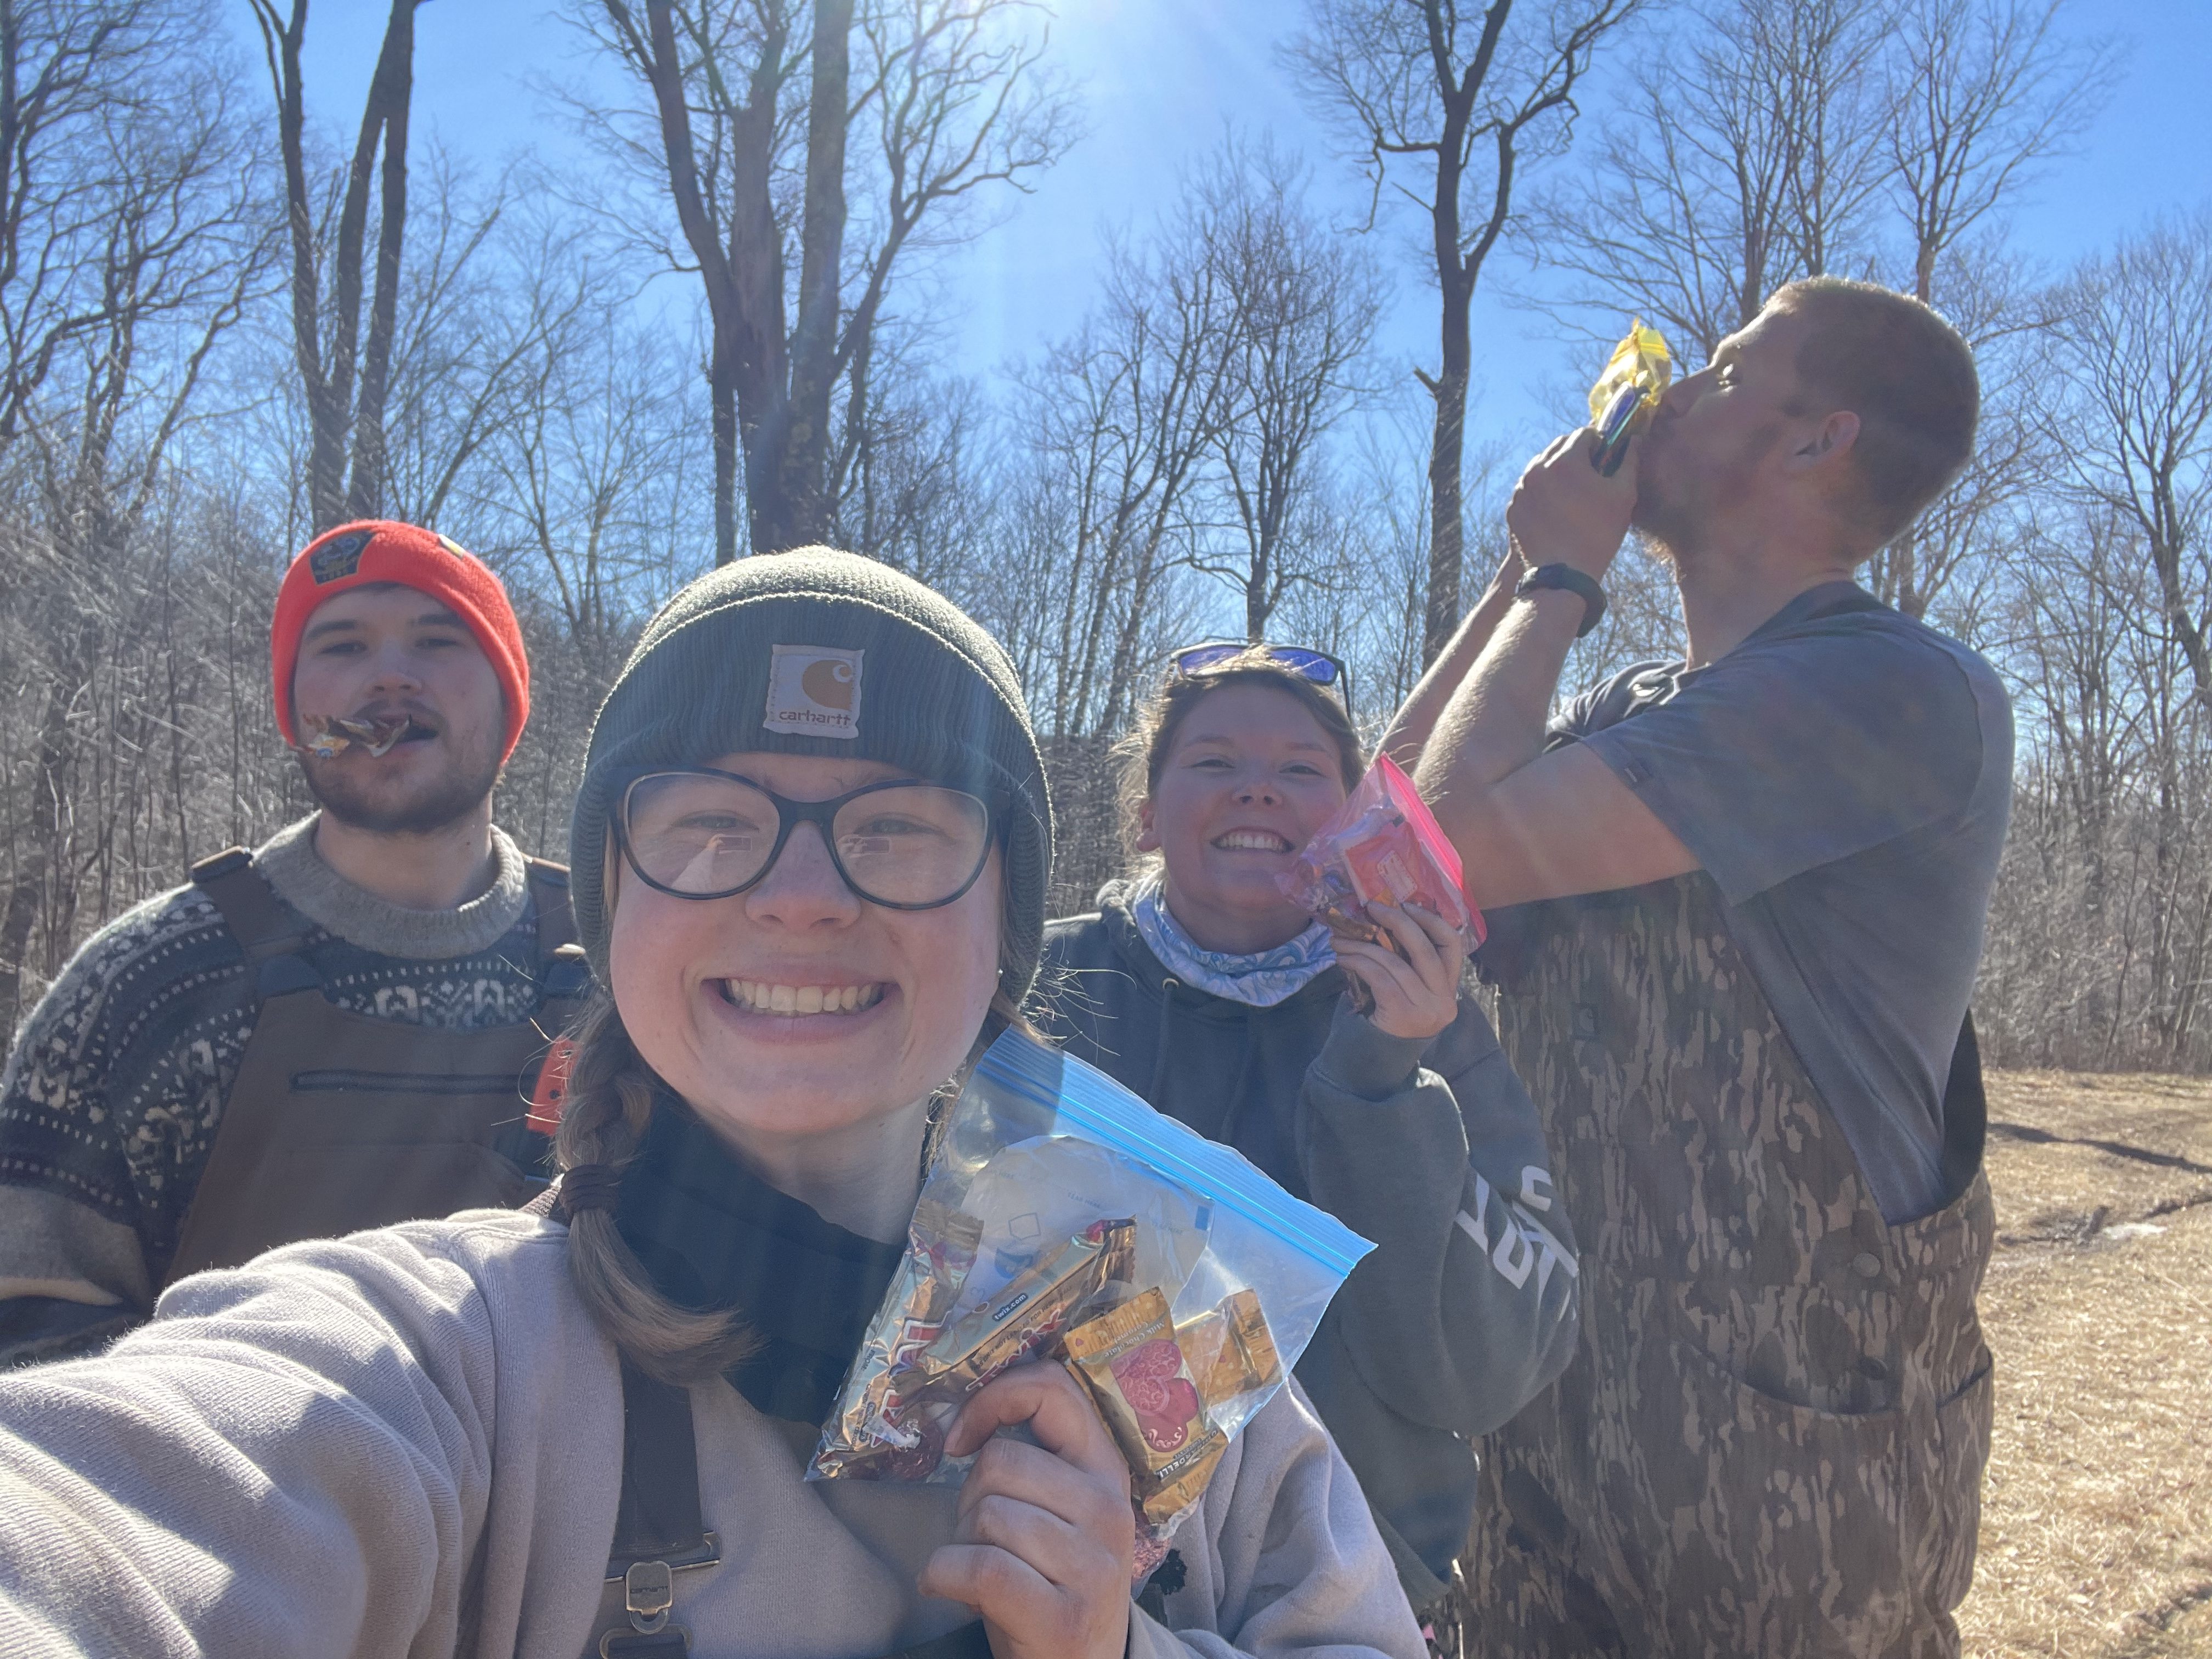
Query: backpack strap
{"type": "Point", "coordinates": [549, 894]}
{"type": "Point", "coordinates": [564, 973]}
{"type": "Point", "coordinates": [659, 1530]}
{"type": "Point", "coordinates": [564, 979]}
{"type": "Point", "coordinates": [265, 928]}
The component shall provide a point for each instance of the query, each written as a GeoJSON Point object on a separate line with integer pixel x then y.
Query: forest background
{"type": "Point", "coordinates": [1125, 327]}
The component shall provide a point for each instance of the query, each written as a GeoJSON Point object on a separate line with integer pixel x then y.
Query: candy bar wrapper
{"type": "Point", "coordinates": [874, 1438]}
{"type": "Point", "coordinates": [1626, 395]}
{"type": "Point", "coordinates": [326, 738]}
{"type": "Point", "coordinates": [1025, 1319]}
{"type": "Point", "coordinates": [1230, 1351]}
{"type": "Point", "coordinates": [1129, 1360]}
{"type": "Point", "coordinates": [1383, 847]}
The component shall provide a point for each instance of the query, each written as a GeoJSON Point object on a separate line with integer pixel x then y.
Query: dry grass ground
{"type": "Point", "coordinates": [2097, 1521]}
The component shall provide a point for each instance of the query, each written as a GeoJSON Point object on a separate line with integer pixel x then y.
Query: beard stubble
{"type": "Point", "coordinates": [446, 798]}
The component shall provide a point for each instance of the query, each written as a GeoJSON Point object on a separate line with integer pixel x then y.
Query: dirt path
{"type": "Point", "coordinates": [2097, 1521]}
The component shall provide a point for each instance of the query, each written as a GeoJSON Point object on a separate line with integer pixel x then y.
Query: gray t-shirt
{"type": "Point", "coordinates": [1845, 775]}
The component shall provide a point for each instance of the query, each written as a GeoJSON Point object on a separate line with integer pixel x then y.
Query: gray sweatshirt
{"type": "Point", "coordinates": [408, 1441]}
{"type": "Point", "coordinates": [1467, 1305]}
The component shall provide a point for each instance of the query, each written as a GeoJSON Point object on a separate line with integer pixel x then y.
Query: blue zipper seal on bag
{"type": "Point", "coordinates": [1089, 1100]}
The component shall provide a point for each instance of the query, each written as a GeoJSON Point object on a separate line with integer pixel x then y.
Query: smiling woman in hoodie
{"type": "Point", "coordinates": [811, 895]}
{"type": "Point", "coordinates": [1200, 986]}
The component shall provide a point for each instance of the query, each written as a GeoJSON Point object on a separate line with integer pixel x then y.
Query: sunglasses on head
{"type": "Point", "coordinates": [1194, 660]}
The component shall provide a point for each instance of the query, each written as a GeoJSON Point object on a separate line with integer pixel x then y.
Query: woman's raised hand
{"type": "Point", "coordinates": [1046, 1540]}
{"type": "Point", "coordinates": [1416, 987]}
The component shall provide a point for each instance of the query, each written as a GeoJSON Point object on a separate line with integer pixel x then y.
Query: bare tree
{"type": "Point", "coordinates": [1123, 418]}
{"type": "Point", "coordinates": [911, 467]}
{"type": "Point", "coordinates": [586, 492]}
{"type": "Point", "coordinates": [346, 378]}
{"type": "Point", "coordinates": [1302, 306]}
{"type": "Point", "coordinates": [1982, 93]}
{"type": "Point", "coordinates": [1463, 101]}
{"type": "Point", "coordinates": [2134, 412]}
{"type": "Point", "coordinates": [1751, 157]}
{"type": "Point", "coordinates": [490, 298]}
{"type": "Point", "coordinates": [757, 163]}
{"type": "Point", "coordinates": [67, 68]}
{"type": "Point", "coordinates": [171, 250]}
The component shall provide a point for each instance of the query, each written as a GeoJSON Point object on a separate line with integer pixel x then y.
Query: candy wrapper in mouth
{"type": "Point", "coordinates": [327, 738]}
{"type": "Point", "coordinates": [1056, 1199]}
{"type": "Point", "coordinates": [1626, 395]}
{"type": "Point", "coordinates": [1383, 847]}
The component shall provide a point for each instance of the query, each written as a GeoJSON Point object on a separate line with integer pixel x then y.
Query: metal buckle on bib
{"type": "Point", "coordinates": [648, 1592]}
{"type": "Point", "coordinates": [648, 1596]}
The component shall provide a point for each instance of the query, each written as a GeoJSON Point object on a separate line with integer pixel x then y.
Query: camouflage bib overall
{"type": "Point", "coordinates": [1772, 1439]}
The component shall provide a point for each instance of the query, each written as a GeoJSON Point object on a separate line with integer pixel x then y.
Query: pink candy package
{"type": "Point", "coordinates": [1384, 847]}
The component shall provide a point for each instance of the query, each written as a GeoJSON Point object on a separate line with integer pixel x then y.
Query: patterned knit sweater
{"type": "Point", "coordinates": [116, 1084]}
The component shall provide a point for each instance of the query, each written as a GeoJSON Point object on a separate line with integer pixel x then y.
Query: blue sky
{"type": "Point", "coordinates": [1161, 79]}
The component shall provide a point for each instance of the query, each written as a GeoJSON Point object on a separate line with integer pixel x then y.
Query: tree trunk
{"type": "Point", "coordinates": [329, 387]}
{"type": "Point", "coordinates": [801, 467]}
{"type": "Point", "coordinates": [391, 92]}
{"type": "Point", "coordinates": [1447, 511]}
{"type": "Point", "coordinates": [45, 859]}
{"type": "Point", "coordinates": [722, 387]}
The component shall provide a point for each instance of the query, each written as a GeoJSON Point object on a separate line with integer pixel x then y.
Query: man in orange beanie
{"type": "Point", "coordinates": [346, 1027]}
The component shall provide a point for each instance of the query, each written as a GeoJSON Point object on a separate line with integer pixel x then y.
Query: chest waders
{"type": "Point", "coordinates": [339, 1121]}
{"type": "Point", "coordinates": [1771, 1440]}
{"type": "Point", "coordinates": [659, 1531]}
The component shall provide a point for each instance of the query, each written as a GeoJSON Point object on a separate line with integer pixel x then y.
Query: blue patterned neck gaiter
{"type": "Point", "coordinates": [1259, 979]}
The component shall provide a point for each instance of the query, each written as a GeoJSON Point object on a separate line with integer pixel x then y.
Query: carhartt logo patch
{"type": "Point", "coordinates": [338, 557]}
{"type": "Point", "coordinates": [814, 690]}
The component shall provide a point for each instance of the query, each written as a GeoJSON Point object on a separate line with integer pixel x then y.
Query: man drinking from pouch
{"type": "Point", "coordinates": [1755, 881]}
{"type": "Point", "coordinates": [341, 1030]}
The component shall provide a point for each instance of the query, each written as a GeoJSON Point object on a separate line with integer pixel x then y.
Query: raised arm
{"type": "Point", "coordinates": [1416, 719]}
{"type": "Point", "coordinates": [1528, 824]}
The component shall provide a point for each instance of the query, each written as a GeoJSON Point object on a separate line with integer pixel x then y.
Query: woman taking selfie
{"type": "Point", "coordinates": [1202, 987]}
{"type": "Point", "coordinates": [811, 848]}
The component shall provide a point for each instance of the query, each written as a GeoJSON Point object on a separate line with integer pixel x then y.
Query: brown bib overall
{"type": "Point", "coordinates": [339, 1121]}
{"type": "Point", "coordinates": [1771, 1441]}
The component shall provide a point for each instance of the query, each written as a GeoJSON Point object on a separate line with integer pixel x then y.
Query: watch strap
{"type": "Point", "coordinates": [1565, 579]}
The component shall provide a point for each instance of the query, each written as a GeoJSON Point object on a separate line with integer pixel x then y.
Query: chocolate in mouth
{"type": "Point", "coordinates": [326, 738]}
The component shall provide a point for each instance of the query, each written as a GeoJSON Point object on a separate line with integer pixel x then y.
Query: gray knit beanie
{"type": "Point", "coordinates": [821, 652]}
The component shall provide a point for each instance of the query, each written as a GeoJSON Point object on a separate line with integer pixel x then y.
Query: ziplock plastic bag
{"type": "Point", "coordinates": [1064, 1217]}
{"type": "Point", "coordinates": [1384, 846]}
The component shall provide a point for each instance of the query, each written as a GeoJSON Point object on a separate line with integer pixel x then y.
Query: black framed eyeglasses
{"type": "Point", "coordinates": [1303, 660]}
{"type": "Point", "coordinates": [697, 832]}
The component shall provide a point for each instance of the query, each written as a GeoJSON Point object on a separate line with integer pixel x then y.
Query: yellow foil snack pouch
{"type": "Point", "coordinates": [1626, 395]}
{"type": "Point", "coordinates": [1129, 1361]}
{"type": "Point", "coordinates": [1230, 1350]}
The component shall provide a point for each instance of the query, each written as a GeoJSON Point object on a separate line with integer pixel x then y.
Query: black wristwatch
{"type": "Point", "coordinates": [1567, 580]}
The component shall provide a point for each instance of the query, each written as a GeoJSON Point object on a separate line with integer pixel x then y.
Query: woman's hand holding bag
{"type": "Point", "coordinates": [1416, 987]}
{"type": "Point", "coordinates": [1045, 1544]}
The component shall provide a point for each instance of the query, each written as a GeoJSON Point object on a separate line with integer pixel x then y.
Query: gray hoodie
{"type": "Point", "coordinates": [409, 1442]}
{"type": "Point", "coordinates": [1466, 1307]}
